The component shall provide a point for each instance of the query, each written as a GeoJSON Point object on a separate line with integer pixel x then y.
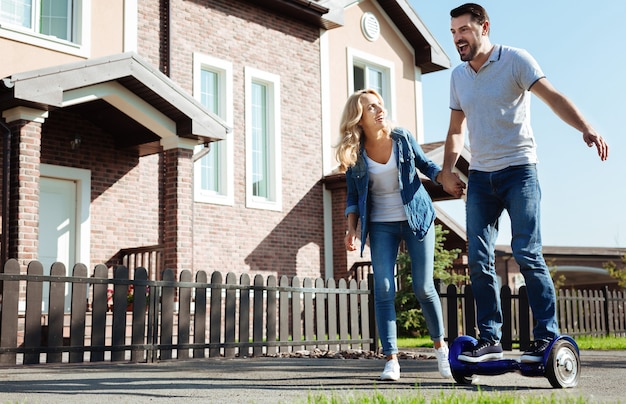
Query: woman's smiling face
{"type": "Point", "coordinates": [374, 112]}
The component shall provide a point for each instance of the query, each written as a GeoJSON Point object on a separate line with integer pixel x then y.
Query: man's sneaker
{"type": "Point", "coordinates": [535, 351]}
{"type": "Point", "coordinates": [391, 371]}
{"type": "Point", "coordinates": [442, 361]}
{"type": "Point", "coordinates": [483, 351]}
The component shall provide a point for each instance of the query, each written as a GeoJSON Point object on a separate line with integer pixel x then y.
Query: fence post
{"type": "Point", "coordinates": [168, 294]}
{"type": "Point", "coordinates": [8, 315]}
{"type": "Point", "coordinates": [33, 326]}
{"type": "Point", "coordinates": [230, 315]}
{"type": "Point", "coordinates": [332, 315]}
{"type": "Point", "coordinates": [320, 310]}
{"type": "Point", "coordinates": [469, 312]}
{"type": "Point", "coordinates": [56, 312]}
{"type": "Point", "coordinates": [152, 333]}
{"type": "Point", "coordinates": [120, 297]}
{"type": "Point", "coordinates": [365, 324]}
{"type": "Point", "coordinates": [257, 316]}
{"type": "Point", "coordinates": [309, 327]}
{"type": "Point", "coordinates": [452, 312]}
{"type": "Point", "coordinates": [184, 314]}
{"type": "Point", "coordinates": [271, 313]}
{"type": "Point", "coordinates": [215, 320]}
{"type": "Point", "coordinates": [524, 319]}
{"type": "Point", "coordinates": [507, 323]}
{"type": "Point", "coordinates": [607, 311]}
{"type": "Point", "coordinates": [78, 313]}
{"type": "Point", "coordinates": [372, 311]}
{"type": "Point", "coordinates": [244, 316]}
{"type": "Point", "coordinates": [199, 319]}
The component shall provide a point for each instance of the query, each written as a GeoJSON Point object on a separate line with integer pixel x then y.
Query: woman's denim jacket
{"type": "Point", "coordinates": [417, 203]}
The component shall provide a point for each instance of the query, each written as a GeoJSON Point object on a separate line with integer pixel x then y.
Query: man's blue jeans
{"type": "Point", "coordinates": [517, 190]}
{"type": "Point", "coordinates": [385, 239]}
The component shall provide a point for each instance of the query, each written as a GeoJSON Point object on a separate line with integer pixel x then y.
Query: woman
{"type": "Point", "coordinates": [385, 193]}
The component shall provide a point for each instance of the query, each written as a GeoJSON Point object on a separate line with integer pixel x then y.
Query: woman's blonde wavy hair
{"type": "Point", "coordinates": [351, 132]}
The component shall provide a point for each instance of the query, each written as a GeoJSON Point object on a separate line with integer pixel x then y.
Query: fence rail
{"type": "Point", "coordinates": [183, 318]}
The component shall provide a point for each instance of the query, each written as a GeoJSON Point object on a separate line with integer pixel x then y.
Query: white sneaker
{"type": "Point", "coordinates": [442, 362]}
{"type": "Point", "coordinates": [391, 371]}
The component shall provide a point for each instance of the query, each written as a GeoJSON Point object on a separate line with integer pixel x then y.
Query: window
{"type": "Point", "coordinates": [369, 71]}
{"type": "Point", "coordinates": [263, 152]}
{"type": "Point", "coordinates": [260, 141]}
{"type": "Point", "coordinates": [368, 77]}
{"type": "Point", "coordinates": [213, 172]}
{"type": "Point", "coordinates": [55, 24]}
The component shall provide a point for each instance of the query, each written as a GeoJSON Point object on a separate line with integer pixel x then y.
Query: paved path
{"type": "Point", "coordinates": [284, 380]}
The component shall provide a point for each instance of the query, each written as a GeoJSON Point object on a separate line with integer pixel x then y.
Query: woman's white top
{"type": "Point", "coordinates": [384, 188]}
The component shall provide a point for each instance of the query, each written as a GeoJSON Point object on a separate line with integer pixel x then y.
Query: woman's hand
{"type": "Point", "coordinates": [350, 240]}
{"type": "Point", "coordinates": [451, 183]}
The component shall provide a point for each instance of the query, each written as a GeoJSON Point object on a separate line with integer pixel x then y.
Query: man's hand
{"type": "Point", "coordinates": [592, 138]}
{"type": "Point", "coordinates": [451, 183]}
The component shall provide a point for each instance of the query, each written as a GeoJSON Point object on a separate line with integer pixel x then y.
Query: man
{"type": "Point", "coordinates": [490, 96]}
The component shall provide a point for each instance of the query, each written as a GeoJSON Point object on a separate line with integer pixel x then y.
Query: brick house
{"type": "Point", "coordinates": [201, 130]}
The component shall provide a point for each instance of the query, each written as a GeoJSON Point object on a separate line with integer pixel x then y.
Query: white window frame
{"type": "Point", "coordinates": [80, 44]}
{"type": "Point", "coordinates": [359, 58]}
{"type": "Point", "coordinates": [272, 82]}
{"type": "Point", "coordinates": [224, 70]}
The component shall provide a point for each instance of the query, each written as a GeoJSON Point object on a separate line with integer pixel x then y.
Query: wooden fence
{"type": "Point", "coordinates": [200, 318]}
{"type": "Point", "coordinates": [580, 312]}
{"type": "Point", "coordinates": [175, 319]}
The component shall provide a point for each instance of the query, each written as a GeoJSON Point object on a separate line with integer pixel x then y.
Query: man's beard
{"type": "Point", "coordinates": [467, 57]}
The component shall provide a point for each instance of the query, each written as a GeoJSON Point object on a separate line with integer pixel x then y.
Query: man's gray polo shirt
{"type": "Point", "coordinates": [496, 103]}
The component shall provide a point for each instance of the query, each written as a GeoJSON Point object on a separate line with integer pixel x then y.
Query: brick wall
{"type": "Point", "coordinates": [24, 190]}
{"type": "Point", "coordinates": [236, 238]}
{"type": "Point", "coordinates": [125, 208]}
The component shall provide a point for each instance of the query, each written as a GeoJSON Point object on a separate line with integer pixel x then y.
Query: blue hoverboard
{"type": "Point", "coordinates": [560, 365]}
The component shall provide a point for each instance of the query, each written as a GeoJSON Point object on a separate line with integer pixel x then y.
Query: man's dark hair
{"type": "Point", "coordinates": [479, 14]}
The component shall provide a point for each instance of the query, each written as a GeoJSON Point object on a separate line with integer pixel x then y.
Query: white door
{"type": "Point", "coordinates": [57, 228]}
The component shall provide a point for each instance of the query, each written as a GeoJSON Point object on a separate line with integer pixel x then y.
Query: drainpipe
{"type": "Point", "coordinates": [166, 37]}
{"type": "Point", "coordinates": [202, 152]}
{"type": "Point", "coordinates": [6, 183]}
{"type": "Point", "coordinates": [165, 10]}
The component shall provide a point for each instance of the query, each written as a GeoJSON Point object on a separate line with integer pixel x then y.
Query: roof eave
{"type": "Point", "coordinates": [46, 87]}
{"type": "Point", "coordinates": [429, 55]}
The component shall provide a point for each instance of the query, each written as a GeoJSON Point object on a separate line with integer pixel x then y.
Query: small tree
{"type": "Point", "coordinates": [617, 273]}
{"type": "Point", "coordinates": [557, 279]}
{"type": "Point", "coordinates": [409, 315]}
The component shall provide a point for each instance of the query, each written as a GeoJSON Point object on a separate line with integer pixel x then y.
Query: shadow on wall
{"type": "Point", "coordinates": [296, 245]}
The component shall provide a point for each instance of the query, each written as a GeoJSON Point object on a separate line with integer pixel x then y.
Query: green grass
{"type": "Point", "coordinates": [415, 342]}
{"type": "Point", "coordinates": [601, 343]}
{"type": "Point", "coordinates": [584, 343]}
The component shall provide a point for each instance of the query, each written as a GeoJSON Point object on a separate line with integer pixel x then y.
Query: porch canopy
{"type": "Point", "coordinates": [134, 102]}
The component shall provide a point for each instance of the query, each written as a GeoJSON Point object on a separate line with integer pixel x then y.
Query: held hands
{"type": "Point", "coordinates": [451, 182]}
{"type": "Point", "coordinates": [591, 138]}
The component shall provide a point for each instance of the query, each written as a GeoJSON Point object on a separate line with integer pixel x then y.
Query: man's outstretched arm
{"type": "Point", "coordinates": [565, 109]}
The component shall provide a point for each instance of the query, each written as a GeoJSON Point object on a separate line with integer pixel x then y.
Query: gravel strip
{"type": "Point", "coordinates": [317, 353]}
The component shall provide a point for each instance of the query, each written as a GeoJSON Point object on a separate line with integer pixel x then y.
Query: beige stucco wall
{"type": "Point", "coordinates": [392, 48]}
{"type": "Point", "coordinates": [106, 30]}
{"type": "Point", "coordinates": [23, 58]}
{"type": "Point", "coordinates": [107, 35]}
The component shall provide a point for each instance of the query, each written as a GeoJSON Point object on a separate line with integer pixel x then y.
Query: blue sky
{"type": "Point", "coordinates": [578, 48]}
